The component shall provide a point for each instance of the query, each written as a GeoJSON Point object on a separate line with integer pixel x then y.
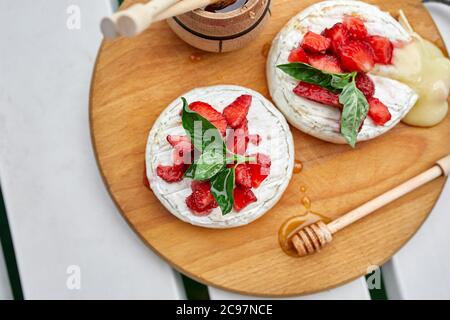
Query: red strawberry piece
{"type": "Point", "coordinates": [316, 93]}
{"type": "Point", "coordinates": [315, 43]}
{"type": "Point", "coordinates": [242, 197]}
{"type": "Point", "coordinates": [356, 56]}
{"type": "Point", "coordinates": [298, 55]}
{"type": "Point", "coordinates": [201, 201]}
{"type": "Point", "coordinates": [355, 27]}
{"type": "Point", "coordinates": [259, 169]}
{"type": "Point", "coordinates": [237, 111]}
{"type": "Point", "coordinates": [211, 114]}
{"type": "Point", "coordinates": [338, 34]}
{"type": "Point", "coordinates": [254, 139]}
{"type": "Point", "coordinates": [175, 139]}
{"type": "Point", "coordinates": [183, 153]}
{"type": "Point", "coordinates": [325, 62]}
{"type": "Point", "coordinates": [237, 141]}
{"type": "Point", "coordinates": [172, 173]}
{"type": "Point", "coordinates": [243, 176]}
{"type": "Point", "coordinates": [365, 84]}
{"type": "Point", "coordinates": [382, 49]}
{"type": "Point", "coordinates": [378, 112]}
{"type": "Point", "coordinates": [203, 186]}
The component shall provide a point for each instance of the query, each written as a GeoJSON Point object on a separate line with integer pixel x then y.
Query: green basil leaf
{"type": "Point", "coordinates": [222, 186]}
{"type": "Point", "coordinates": [355, 109]}
{"type": "Point", "coordinates": [307, 73]}
{"type": "Point", "coordinates": [341, 80]}
{"type": "Point", "coordinates": [200, 130]}
{"type": "Point", "coordinates": [207, 165]}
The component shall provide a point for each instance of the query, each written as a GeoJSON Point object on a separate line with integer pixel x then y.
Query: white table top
{"type": "Point", "coordinates": [5, 289]}
{"type": "Point", "coordinates": [59, 210]}
{"type": "Point", "coordinates": [60, 213]}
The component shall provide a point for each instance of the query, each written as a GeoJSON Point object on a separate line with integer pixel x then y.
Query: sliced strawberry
{"type": "Point", "coordinates": [338, 34]}
{"type": "Point", "coordinates": [365, 84]}
{"type": "Point", "coordinates": [175, 139]}
{"type": "Point", "coordinates": [172, 173]}
{"type": "Point", "coordinates": [355, 27]}
{"type": "Point", "coordinates": [298, 55]}
{"type": "Point", "coordinates": [378, 112]}
{"type": "Point", "coordinates": [201, 201]}
{"type": "Point", "coordinates": [315, 43]}
{"type": "Point", "coordinates": [242, 197]}
{"type": "Point", "coordinates": [183, 153]}
{"type": "Point", "coordinates": [356, 56]}
{"type": "Point", "coordinates": [243, 176]}
{"type": "Point", "coordinates": [211, 114]}
{"type": "Point", "coordinates": [382, 49]}
{"type": "Point", "coordinates": [254, 139]}
{"type": "Point", "coordinates": [259, 169]}
{"type": "Point", "coordinates": [316, 93]}
{"type": "Point", "coordinates": [237, 139]}
{"type": "Point", "coordinates": [237, 111]}
{"type": "Point", "coordinates": [325, 62]}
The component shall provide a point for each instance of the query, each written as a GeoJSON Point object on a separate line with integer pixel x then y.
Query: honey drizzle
{"type": "Point", "coordinates": [298, 166]}
{"type": "Point", "coordinates": [292, 225]}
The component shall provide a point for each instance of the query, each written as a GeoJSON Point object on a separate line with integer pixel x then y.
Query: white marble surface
{"type": "Point", "coordinates": [355, 290]}
{"type": "Point", "coordinates": [59, 211]}
{"type": "Point", "coordinates": [5, 288]}
{"type": "Point", "coordinates": [421, 269]}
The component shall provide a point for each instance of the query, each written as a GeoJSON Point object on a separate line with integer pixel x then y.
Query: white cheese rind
{"type": "Point", "coordinates": [263, 119]}
{"type": "Point", "coordinates": [317, 119]}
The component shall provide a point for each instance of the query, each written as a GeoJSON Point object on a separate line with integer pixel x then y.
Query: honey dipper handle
{"type": "Point", "coordinates": [138, 17]}
{"type": "Point", "coordinates": [441, 168]}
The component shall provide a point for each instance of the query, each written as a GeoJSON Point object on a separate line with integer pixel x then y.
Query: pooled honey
{"type": "Point", "coordinates": [294, 224]}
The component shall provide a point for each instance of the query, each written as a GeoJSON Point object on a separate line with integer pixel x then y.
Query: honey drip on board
{"type": "Point", "coordinates": [196, 56]}
{"type": "Point", "coordinates": [265, 50]}
{"type": "Point", "coordinates": [306, 202]}
{"type": "Point", "coordinates": [298, 166]}
{"type": "Point", "coordinates": [294, 224]}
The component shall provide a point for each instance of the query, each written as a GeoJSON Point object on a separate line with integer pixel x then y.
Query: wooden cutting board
{"type": "Point", "coordinates": [135, 79]}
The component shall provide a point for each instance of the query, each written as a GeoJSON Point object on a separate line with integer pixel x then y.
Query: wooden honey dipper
{"type": "Point", "coordinates": [312, 238]}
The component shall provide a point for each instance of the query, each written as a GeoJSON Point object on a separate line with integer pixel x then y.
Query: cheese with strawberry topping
{"type": "Point", "coordinates": [371, 33]}
{"type": "Point", "coordinates": [270, 135]}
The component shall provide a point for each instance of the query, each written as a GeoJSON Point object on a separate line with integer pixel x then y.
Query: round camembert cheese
{"type": "Point", "coordinates": [315, 118]}
{"type": "Point", "coordinates": [263, 119]}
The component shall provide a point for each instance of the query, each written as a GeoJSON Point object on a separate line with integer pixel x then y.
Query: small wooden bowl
{"type": "Point", "coordinates": [222, 32]}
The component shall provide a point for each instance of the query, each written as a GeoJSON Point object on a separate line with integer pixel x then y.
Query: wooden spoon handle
{"type": "Point", "coordinates": [183, 7]}
{"type": "Point", "coordinates": [138, 17]}
{"type": "Point", "coordinates": [108, 25]}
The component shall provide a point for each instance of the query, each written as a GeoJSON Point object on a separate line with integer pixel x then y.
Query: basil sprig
{"type": "Point", "coordinates": [354, 112]}
{"type": "Point", "coordinates": [355, 105]}
{"type": "Point", "coordinates": [307, 73]}
{"type": "Point", "coordinates": [200, 130]}
{"type": "Point", "coordinates": [222, 186]}
{"type": "Point", "coordinates": [211, 164]}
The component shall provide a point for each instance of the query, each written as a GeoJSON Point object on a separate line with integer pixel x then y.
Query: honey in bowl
{"type": "Point", "coordinates": [225, 6]}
